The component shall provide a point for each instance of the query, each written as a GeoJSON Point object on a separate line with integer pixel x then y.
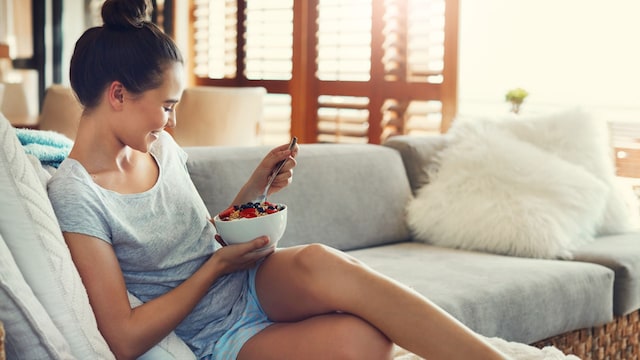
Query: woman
{"type": "Point", "coordinates": [134, 222]}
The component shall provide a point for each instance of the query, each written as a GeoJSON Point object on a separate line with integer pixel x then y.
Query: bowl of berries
{"type": "Point", "coordinates": [242, 223]}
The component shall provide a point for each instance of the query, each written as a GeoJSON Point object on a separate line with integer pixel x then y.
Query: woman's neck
{"type": "Point", "coordinates": [98, 148]}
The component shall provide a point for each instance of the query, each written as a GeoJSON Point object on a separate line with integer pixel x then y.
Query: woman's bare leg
{"type": "Point", "coordinates": [300, 282]}
{"type": "Point", "coordinates": [322, 337]}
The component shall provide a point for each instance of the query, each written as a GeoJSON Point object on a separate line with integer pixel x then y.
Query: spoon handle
{"type": "Point", "coordinates": [275, 172]}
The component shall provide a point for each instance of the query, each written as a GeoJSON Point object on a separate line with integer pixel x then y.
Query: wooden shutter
{"type": "Point", "coordinates": [344, 40]}
{"type": "Point", "coordinates": [338, 71]}
{"type": "Point", "coordinates": [343, 56]}
{"type": "Point", "coordinates": [269, 39]}
{"type": "Point", "coordinates": [269, 58]}
{"type": "Point", "coordinates": [414, 58]}
{"type": "Point", "coordinates": [247, 43]}
{"type": "Point", "coordinates": [215, 33]}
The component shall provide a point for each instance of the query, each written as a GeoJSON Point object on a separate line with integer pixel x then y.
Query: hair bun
{"type": "Point", "coordinates": [125, 14]}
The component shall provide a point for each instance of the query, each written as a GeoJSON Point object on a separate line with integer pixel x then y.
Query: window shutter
{"type": "Point", "coordinates": [215, 32]}
{"type": "Point", "coordinates": [269, 56]}
{"type": "Point", "coordinates": [413, 46]}
{"type": "Point", "coordinates": [395, 88]}
{"type": "Point", "coordinates": [367, 69]}
{"type": "Point", "coordinates": [343, 55]}
{"type": "Point", "coordinates": [267, 42]}
{"type": "Point", "coordinates": [343, 119]}
{"type": "Point", "coordinates": [344, 40]}
{"type": "Point", "coordinates": [413, 50]}
{"type": "Point", "coordinates": [425, 41]}
{"type": "Point", "coordinates": [275, 128]}
{"type": "Point", "coordinates": [423, 117]}
{"type": "Point", "coordinates": [269, 39]}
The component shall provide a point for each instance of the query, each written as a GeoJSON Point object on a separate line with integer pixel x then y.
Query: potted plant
{"type": "Point", "coordinates": [516, 98]}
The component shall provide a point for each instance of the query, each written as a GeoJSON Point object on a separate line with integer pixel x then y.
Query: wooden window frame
{"type": "Point", "coordinates": [304, 88]}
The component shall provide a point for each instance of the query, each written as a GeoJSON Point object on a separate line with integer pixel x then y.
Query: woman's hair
{"type": "Point", "coordinates": [127, 48]}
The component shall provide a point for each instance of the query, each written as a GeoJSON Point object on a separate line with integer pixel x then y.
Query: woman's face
{"type": "Point", "coordinates": [149, 113]}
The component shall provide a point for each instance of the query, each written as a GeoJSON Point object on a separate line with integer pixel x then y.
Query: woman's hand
{"type": "Point", "coordinates": [231, 258]}
{"type": "Point", "coordinates": [260, 176]}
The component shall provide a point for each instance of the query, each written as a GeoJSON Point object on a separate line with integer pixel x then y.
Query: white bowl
{"type": "Point", "coordinates": [246, 229]}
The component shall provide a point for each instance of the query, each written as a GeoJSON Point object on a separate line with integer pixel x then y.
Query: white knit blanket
{"type": "Point", "coordinates": [514, 350]}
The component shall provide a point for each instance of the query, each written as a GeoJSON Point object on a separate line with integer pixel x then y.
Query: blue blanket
{"type": "Point", "coordinates": [49, 147]}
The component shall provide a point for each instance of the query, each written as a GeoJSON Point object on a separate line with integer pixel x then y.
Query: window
{"type": "Point", "coordinates": [336, 71]}
{"type": "Point", "coordinates": [574, 59]}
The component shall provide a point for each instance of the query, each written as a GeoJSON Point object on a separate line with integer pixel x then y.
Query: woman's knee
{"type": "Point", "coordinates": [328, 273]}
{"type": "Point", "coordinates": [318, 257]}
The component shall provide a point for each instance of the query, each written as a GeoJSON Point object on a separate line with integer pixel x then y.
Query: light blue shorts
{"type": "Point", "coordinates": [253, 320]}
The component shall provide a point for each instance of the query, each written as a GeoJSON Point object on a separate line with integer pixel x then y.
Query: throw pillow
{"type": "Point", "coordinates": [493, 192]}
{"type": "Point", "coordinates": [33, 236]}
{"type": "Point", "coordinates": [34, 239]}
{"type": "Point", "coordinates": [29, 330]}
{"type": "Point", "coordinates": [581, 138]}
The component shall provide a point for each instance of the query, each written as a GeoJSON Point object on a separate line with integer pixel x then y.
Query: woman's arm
{"type": "Point", "coordinates": [258, 180]}
{"type": "Point", "coordinates": [131, 332]}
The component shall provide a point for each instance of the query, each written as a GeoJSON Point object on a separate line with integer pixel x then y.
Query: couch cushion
{"type": "Point", "coordinates": [29, 330]}
{"type": "Point", "coordinates": [32, 234]}
{"type": "Point", "coordinates": [620, 253]}
{"type": "Point", "coordinates": [518, 299]}
{"type": "Point", "coordinates": [353, 195]}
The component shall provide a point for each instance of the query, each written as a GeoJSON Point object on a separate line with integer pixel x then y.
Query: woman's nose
{"type": "Point", "coordinates": [172, 120]}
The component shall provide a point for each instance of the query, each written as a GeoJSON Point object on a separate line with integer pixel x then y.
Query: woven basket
{"type": "Point", "coordinates": [617, 340]}
{"type": "Point", "coordinates": [2, 354]}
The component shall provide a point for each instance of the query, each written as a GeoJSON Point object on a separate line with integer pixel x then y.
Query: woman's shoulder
{"type": "Point", "coordinates": [70, 177]}
{"type": "Point", "coordinates": [69, 169]}
{"type": "Point", "coordinates": [166, 146]}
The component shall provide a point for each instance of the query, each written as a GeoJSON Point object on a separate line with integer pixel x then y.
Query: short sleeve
{"type": "Point", "coordinates": [173, 145]}
{"type": "Point", "coordinates": [77, 206]}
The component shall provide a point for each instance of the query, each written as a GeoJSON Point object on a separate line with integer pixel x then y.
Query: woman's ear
{"type": "Point", "coordinates": [115, 95]}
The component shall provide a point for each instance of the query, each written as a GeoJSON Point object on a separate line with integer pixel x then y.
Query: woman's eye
{"type": "Point", "coordinates": [168, 108]}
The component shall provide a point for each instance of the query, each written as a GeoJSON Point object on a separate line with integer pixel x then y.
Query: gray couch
{"type": "Point", "coordinates": [351, 197]}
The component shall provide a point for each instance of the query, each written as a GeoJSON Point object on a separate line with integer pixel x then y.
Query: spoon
{"type": "Point", "coordinates": [276, 170]}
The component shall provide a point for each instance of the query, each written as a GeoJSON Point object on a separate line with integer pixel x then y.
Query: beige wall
{"type": "Point", "coordinates": [568, 52]}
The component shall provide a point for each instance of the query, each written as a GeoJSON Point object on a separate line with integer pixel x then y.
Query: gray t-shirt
{"type": "Point", "coordinates": [160, 236]}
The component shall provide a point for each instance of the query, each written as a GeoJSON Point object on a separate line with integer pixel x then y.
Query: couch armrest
{"type": "Point", "coordinates": [417, 153]}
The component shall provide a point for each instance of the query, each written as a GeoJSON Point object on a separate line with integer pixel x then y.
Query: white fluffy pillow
{"type": "Point", "coordinates": [32, 234]}
{"type": "Point", "coordinates": [495, 193]}
{"type": "Point", "coordinates": [580, 138]}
